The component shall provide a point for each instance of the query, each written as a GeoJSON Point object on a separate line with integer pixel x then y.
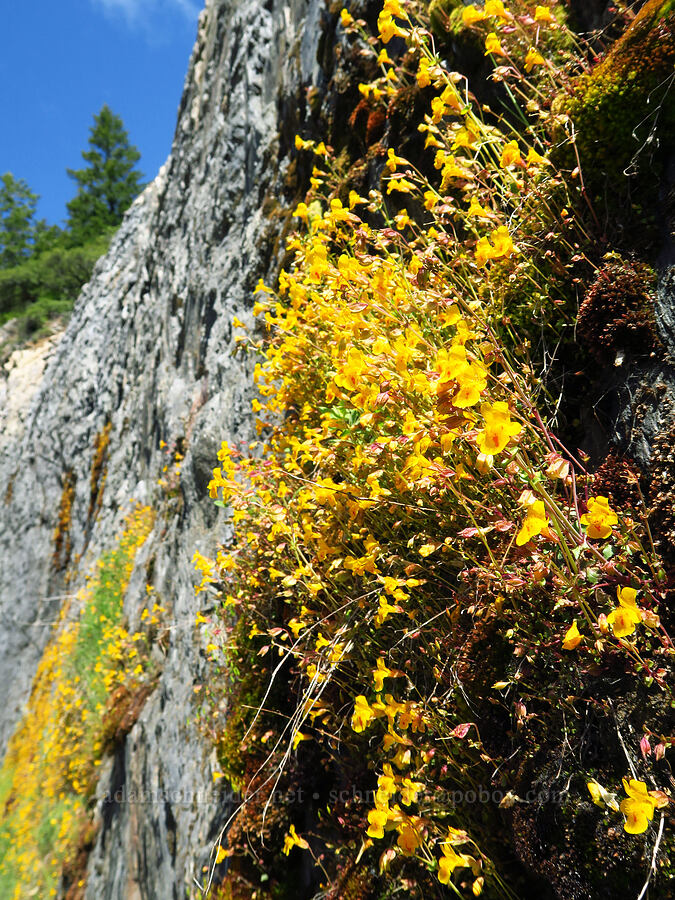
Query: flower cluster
{"type": "Point", "coordinates": [407, 506]}
{"type": "Point", "coordinates": [52, 759]}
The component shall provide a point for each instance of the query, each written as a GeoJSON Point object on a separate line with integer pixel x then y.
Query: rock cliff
{"type": "Point", "coordinates": [149, 350]}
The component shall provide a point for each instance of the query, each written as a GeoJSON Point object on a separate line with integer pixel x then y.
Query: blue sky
{"type": "Point", "coordinates": [61, 60]}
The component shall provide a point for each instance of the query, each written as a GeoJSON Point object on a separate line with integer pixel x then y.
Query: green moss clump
{"type": "Point", "coordinates": [624, 114]}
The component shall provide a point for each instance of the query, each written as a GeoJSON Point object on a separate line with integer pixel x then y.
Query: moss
{"type": "Point", "coordinates": [61, 537]}
{"type": "Point", "coordinates": [624, 116]}
{"type": "Point", "coordinates": [123, 708]}
{"type": "Point", "coordinates": [98, 471]}
{"type": "Point", "coordinates": [662, 499]}
{"type": "Point", "coordinates": [617, 313]}
{"type": "Point", "coordinates": [9, 490]}
{"type": "Point", "coordinates": [619, 480]}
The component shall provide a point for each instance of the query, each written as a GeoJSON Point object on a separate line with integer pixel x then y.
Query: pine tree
{"type": "Point", "coordinates": [17, 228]}
{"type": "Point", "coordinates": [109, 182]}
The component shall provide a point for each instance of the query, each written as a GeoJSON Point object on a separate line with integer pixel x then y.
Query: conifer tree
{"type": "Point", "coordinates": [108, 183]}
{"type": "Point", "coordinates": [17, 228]}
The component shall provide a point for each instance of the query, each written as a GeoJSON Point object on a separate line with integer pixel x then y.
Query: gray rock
{"type": "Point", "coordinates": [149, 349]}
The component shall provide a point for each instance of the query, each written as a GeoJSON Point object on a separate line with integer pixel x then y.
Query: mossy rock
{"type": "Point", "coordinates": [624, 115]}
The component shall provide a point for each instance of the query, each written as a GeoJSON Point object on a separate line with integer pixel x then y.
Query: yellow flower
{"type": "Point", "coordinates": [388, 28]}
{"type": "Point", "coordinates": [345, 18]}
{"type": "Point", "coordinates": [301, 144]}
{"type": "Point", "coordinates": [221, 855]}
{"type": "Point", "coordinates": [363, 715]}
{"type": "Point", "coordinates": [572, 637]}
{"type": "Point", "coordinates": [599, 518]}
{"type": "Point", "coordinates": [602, 797]}
{"type": "Point", "coordinates": [496, 8]}
{"type": "Point", "coordinates": [471, 15]}
{"type": "Point", "coordinates": [394, 161]}
{"type": "Point", "coordinates": [410, 790]}
{"type": "Point", "coordinates": [627, 615]}
{"type": "Point", "coordinates": [450, 861]}
{"type": "Point", "coordinates": [638, 807]}
{"type": "Point", "coordinates": [472, 382]}
{"type": "Point", "coordinates": [296, 626]}
{"type": "Point", "coordinates": [510, 155]}
{"type": "Point", "coordinates": [386, 787]}
{"type": "Point", "coordinates": [377, 819]}
{"type": "Point", "coordinates": [409, 839]}
{"type": "Point", "coordinates": [493, 46]}
{"type": "Point", "coordinates": [543, 14]}
{"type": "Point", "coordinates": [533, 59]}
{"type": "Point", "coordinates": [298, 738]}
{"type": "Point", "coordinates": [535, 522]}
{"type": "Point", "coordinates": [498, 429]}
{"type": "Point", "coordinates": [292, 839]}
{"type": "Point", "coordinates": [483, 251]}
{"type": "Point", "coordinates": [534, 159]}
{"type": "Point", "coordinates": [380, 673]}
{"type": "Point", "coordinates": [423, 77]}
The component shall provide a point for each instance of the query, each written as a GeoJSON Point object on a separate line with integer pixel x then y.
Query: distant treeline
{"type": "Point", "coordinates": [42, 266]}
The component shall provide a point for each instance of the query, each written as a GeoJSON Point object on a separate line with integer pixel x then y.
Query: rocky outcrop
{"type": "Point", "coordinates": [149, 349]}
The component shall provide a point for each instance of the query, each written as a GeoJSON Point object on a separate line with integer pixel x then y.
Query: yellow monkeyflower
{"type": "Point", "coordinates": [510, 155]}
{"type": "Point", "coordinates": [543, 14]}
{"type": "Point", "coordinates": [600, 518]}
{"type": "Point", "coordinates": [638, 807]}
{"type": "Point", "coordinates": [388, 28]}
{"type": "Point", "coordinates": [534, 159]}
{"type": "Point", "coordinates": [386, 787]}
{"type": "Point", "coordinates": [380, 673]}
{"type": "Point", "coordinates": [298, 738]}
{"type": "Point", "coordinates": [493, 46]}
{"type": "Point", "coordinates": [363, 715]}
{"type": "Point", "coordinates": [450, 861]}
{"type": "Point", "coordinates": [423, 77]}
{"type": "Point", "coordinates": [345, 18]}
{"type": "Point", "coordinates": [627, 615]}
{"type": "Point", "coordinates": [535, 522]}
{"type": "Point", "coordinates": [471, 15]}
{"type": "Point", "coordinates": [533, 58]}
{"type": "Point", "coordinates": [377, 819]}
{"type": "Point", "coordinates": [410, 790]}
{"type": "Point", "coordinates": [292, 839]}
{"type": "Point", "coordinates": [572, 637]}
{"type": "Point", "coordinates": [602, 797]}
{"type": "Point", "coordinates": [498, 429]}
{"type": "Point", "coordinates": [496, 8]}
{"type": "Point", "coordinates": [409, 838]}
{"type": "Point", "coordinates": [475, 209]}
{"type": "Point", "coordinates": [472, 382]}
{"type": "Point", "coordinates": [394, 161]}
{"type": "Point", "coordinates": [501, 245]}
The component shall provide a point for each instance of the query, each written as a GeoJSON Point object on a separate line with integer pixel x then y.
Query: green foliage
{"type": "Point", "coordinates": [102, 613]}
{"type": "Point", "coordinates": [47, 284]}
{"type": "Point", "coordinates": [108, 183]}
{"type": "Point", "coordinates": [17, 208]}
{"type": "Point", "coordinates": [42, 266]}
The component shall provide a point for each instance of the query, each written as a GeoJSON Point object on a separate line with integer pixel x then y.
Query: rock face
{"type": "Point", "coordinates": [149, 350]}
